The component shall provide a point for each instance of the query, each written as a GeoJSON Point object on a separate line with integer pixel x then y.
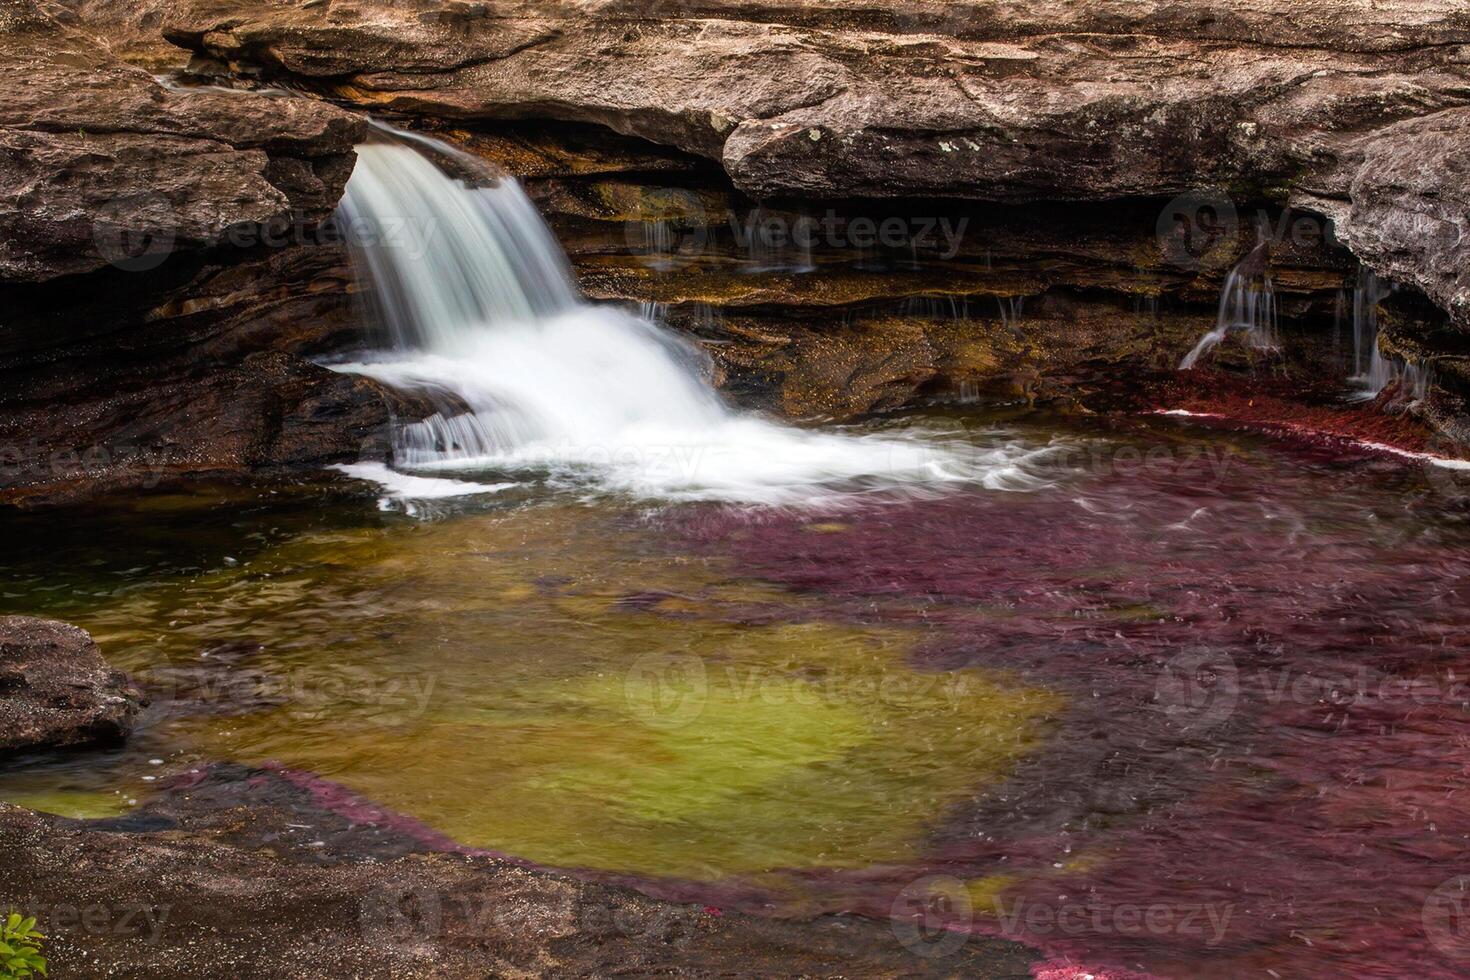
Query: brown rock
{"type": "Point", "coordinates": [131, 30]}
{"type": "Point", "coordinates": [1406, 213]}
{"type": "Point", "coordinates": [199, 368]}
{"type": "Point", "coordinates": [1066, 99]}
{"type": "Point", "coordinates": [56, 690]}
{"type": "Point", "coordinates": [101, 165]}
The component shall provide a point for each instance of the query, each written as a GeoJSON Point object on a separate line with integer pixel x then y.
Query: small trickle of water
{"type": "Point", "coordinates": [653, 311]}
{"type": "Point", "coordinates": [1012, 308]}
{"type": "Point", "coordinates": [935, 307]}
{"type": "Point", "coordinates": [1247, 305]}
{"type": "Point", "coordinates": [775, 244]}
{"type": "Point", "coordinates": [1373, 371]}
{"type": "Point", "coordinates": [484, 317]}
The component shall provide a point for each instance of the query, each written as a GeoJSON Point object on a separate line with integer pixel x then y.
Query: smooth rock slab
{"type": "Point", "coordinates": [253, 873]}
{"type": "Point", "coordinates": [56, 690]}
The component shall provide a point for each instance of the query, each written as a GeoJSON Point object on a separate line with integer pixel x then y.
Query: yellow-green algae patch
{"type": "Point", "coordinates": [554, 684]}
{"type": "Point", "coordinates": [79, 804]}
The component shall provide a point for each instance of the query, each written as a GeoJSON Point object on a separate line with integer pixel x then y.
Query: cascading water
{"type": "Point", "coordinates": [1373, 371]}
{"type": "Point", "coordinates": [480, 306]}
{"type": "Point", "coordinates": [1367, 294]}
{"type": "Point", "coordinates": [1247, 305]}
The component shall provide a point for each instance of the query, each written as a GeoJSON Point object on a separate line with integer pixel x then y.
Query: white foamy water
{"type": "Point", "coordinates": [1247, 305]}
{"type": "Point", "coordinates": [404, 490]}
{"type": "Point", "coordinates": [482, 313]}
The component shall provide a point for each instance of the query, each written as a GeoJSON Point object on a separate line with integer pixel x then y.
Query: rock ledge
{"type": "Point", "coordinates": [56, 690]}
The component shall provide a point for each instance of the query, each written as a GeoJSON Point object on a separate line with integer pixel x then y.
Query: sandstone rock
{"type": "Point", "coordinates": [164, 270]}
{"type": "Point", "coordinates": [201, 368]}
{"type": "Point", "coordinates": [131, 30]}
{"type": "Point", "coordinates": [1406, 212]}
{"type": "Point", "coordinates": [101, 165]}
{"type": "Point", "coordinates": [1066, 99]}
{"type": "Point", "coordinates": [56, 690]}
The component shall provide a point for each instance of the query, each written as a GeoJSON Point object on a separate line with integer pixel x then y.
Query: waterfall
{"type": "Point", "coordinates": [1368, 292]}
{"type": "Point", "coordinates": [1247, 305]}
{"type": "Point", "coordinates": [482, 314]}
{"type": "Point", "coordinates": [1373, 371]}
{"type": "Point", "coordinates": [493, 259]}
{"type": "Point", "coordinates": [1011, 310]}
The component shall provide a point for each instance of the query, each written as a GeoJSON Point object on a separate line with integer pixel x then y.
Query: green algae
{"type": "Point", "coordinates": [78, 804]}
{"type": "Point", "coordinates": [556, 684]}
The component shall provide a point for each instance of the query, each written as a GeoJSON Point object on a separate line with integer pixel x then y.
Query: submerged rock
{"type": "Point", "coordinates": [56, 690]}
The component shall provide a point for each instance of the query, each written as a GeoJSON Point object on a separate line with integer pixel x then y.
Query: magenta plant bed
{"type": "Point", "coordinates": [1260, 764]}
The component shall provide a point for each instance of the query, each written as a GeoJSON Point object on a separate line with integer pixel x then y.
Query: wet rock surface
{"type": "Point", "coordinates": [1066, 100]}
{"type": "Point", "coordinates": [273, 872]}
{"type": "Point", "coordinates": [203, 367]}
{"type": "Point", "coordinates": [56, 691]}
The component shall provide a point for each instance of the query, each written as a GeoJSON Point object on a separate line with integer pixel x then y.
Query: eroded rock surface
{"type": "Point", "coordinates": [1044, 303]}
{"type": "Point", "coordinates": [56, 690]}
{"type": "Point", "coordinates": [1067, 99]}
{"type": "Point", "coordinates": [102, 165]}
{"type": "Point", "coordinates": [255, 869]}
{"type": "Point", "coordinates": [203, 367]}
{"type": "Point", "coordinates": [164, 272]}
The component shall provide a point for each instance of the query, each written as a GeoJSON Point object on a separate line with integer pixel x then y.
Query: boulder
{"type": "Point", "coordinates": [56, 690]}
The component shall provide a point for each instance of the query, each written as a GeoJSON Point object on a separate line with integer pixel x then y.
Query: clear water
{"type": "Point", "coordinates": [1150, 698]}
{"type": "Point", "coordinates": [1183, 672]}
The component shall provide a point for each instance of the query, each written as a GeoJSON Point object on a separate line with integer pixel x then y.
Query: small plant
{"type": "Point", "coordinates": [20, 948]}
